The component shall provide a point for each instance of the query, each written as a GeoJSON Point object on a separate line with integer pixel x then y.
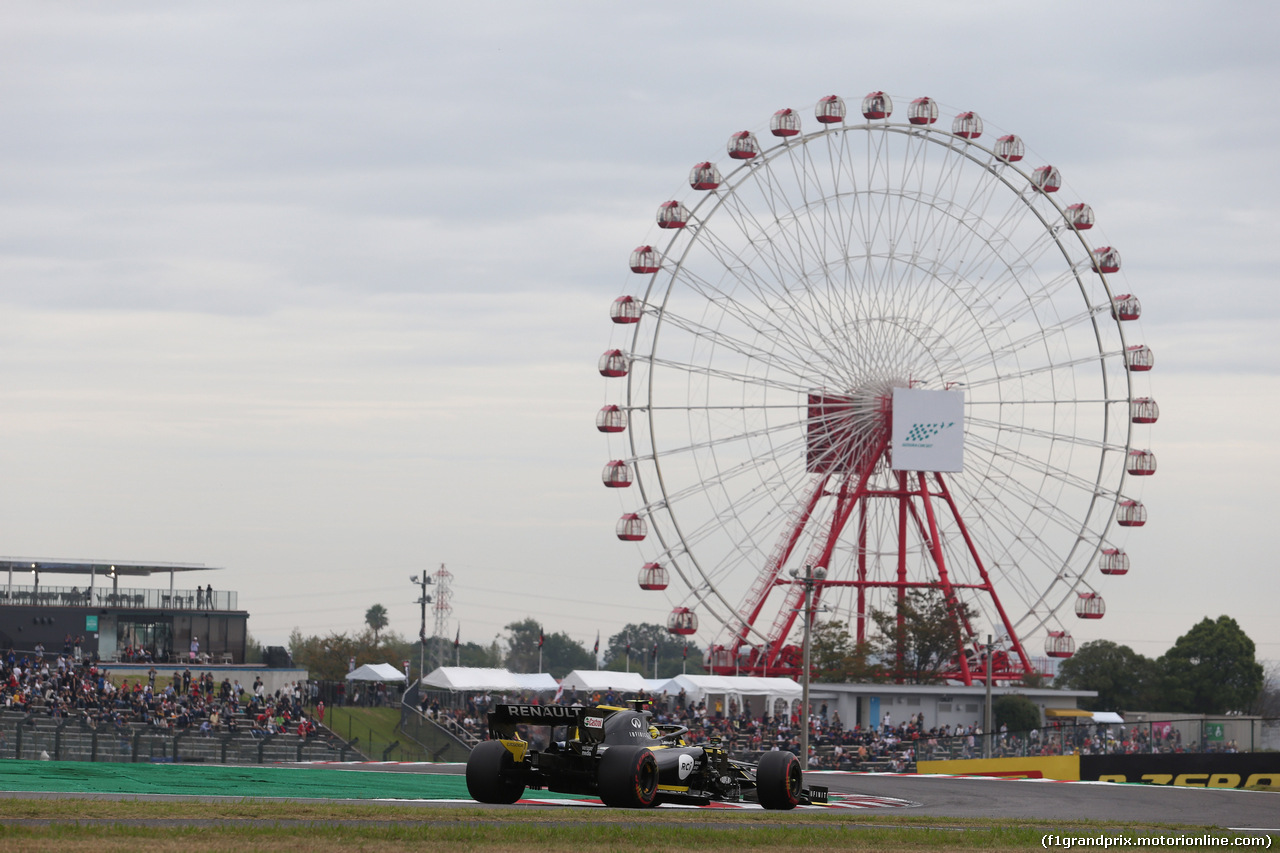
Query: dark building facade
{"type": "Point", "coordinates": [106, 621]}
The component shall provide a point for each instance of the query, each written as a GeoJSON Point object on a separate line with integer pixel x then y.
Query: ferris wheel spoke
{"type": "Point", "coordinates": [743, 275]}
{"type": "Point", "coordinates": [1012, 347]}
{"type": "Point", "coordinates": [753, 232]}
{"type": "Point", "coordinates": [1040, 370]}
{"type": "Point", "coordinates": [737, 345]}
{"type": "Point", "coordinates": [722, 476]}
{"type": "Point", "coordinates": [1051, 435]}
{"type": "Point", "coordinates": [1032, 465]}
{"type": "Point", "coordinates": [735, 377]}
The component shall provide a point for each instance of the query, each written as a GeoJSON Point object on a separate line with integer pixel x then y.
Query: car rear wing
{"type": "Point", "coordinates": [589, 722]}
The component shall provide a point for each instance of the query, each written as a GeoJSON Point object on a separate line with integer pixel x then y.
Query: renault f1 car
{"type": "Point", "coordinates": [627, 760]}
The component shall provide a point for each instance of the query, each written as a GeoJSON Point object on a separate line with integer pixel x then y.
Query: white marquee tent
{"type": "Point", "coordinates": [736, 688]}
{"type": "Point", "coordinates": [376, 672]}
{"type": "Point", "coordinates": [589, 681]}
{"type": "Point", "coordinates": [470, 678]}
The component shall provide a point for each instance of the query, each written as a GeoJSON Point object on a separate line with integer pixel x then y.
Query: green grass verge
{"type": "Point", "coordinates": [99, 825]}
{"type": "Point", "coordinates": [377, 728]}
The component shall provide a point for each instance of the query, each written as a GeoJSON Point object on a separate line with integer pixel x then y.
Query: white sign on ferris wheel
{"type": "Point", "coordinates": [928, 430]}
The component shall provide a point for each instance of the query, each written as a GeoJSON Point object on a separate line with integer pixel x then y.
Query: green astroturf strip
{"type": "Point", "coordinates": [216, 780]}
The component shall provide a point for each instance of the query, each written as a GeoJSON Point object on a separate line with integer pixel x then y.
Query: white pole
{"type": "Point", "coordinates": [986, 717]}
{"type": "Point", "coordinates": [811, 574]}
{"type": "Point", "coordinates": [804, 680]}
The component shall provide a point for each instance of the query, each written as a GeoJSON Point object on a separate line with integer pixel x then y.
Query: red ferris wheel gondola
{"type": "Point", "coordinates": [1089, 605]}
{"type": "Point", "coordinates": [625, 309]}
{"type": "Point", "coordinates": [877, 105]}
{"type": "Point", "coordinates": [616, 474]}
{"type": "Point", "coordinates": [923, 111]}
{"type": "Point", "coordinates": [1010, 148]}
{"type": "Point", "coordinates": [785, 123]}
{"type": "Point", "coordinates": [613, 364]}
{"type": "Point", "coordinates": [682, 621]}
{"type": "Point", "coordinates": [1059, 644]}
{"type": "Point", "coordinates": [743, 146]}
{"type": "Point", "coordinates": [632, 528]}
{"type": "Point", "coordinates": [829, 110]}
{"type": "Point", "coordinates": [645, 260]}
{"type": "Point", "coordinates": [1114, 561]}
{"type": "Point", "coordinates": [654, 576]}
{"type": "Point", "coordinates": [1143, 410]}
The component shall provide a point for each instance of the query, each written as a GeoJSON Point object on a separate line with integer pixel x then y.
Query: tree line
{"type": "Point", "coordinates": [1212, 669]}
{"type": "Point", "coordinates": [636, 648]}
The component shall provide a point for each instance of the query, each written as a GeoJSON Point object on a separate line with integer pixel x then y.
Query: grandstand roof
{"type": "Point", "coordinates": [97, 567]}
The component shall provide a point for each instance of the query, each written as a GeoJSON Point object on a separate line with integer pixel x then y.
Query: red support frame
{"type": "Point", "coordinates": [918, 507]}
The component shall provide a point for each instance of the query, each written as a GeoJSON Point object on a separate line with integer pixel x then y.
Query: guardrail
{"type": "Point", "coordinates": [440, 743]}
{"type": "Point", "coordinates": [147, 599]}
{"type": "Point", "coordinates": [34, 737]}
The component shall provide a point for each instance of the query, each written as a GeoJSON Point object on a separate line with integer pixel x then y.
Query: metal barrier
{"type": "Point", "coordinates": [33, 737]}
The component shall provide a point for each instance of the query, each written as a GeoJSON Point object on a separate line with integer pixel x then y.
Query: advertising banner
{"type": "Point", "coordinates": [1189, 769]}
{"type": "Point", "coordinates": [928, 430]}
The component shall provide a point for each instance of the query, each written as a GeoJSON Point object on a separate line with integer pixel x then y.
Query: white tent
{"type": "Point", "coordinates": [654, 686]}
{"type": "Point", "coordinates": [376, 672]}
{"type": "Point", "coordinates": [466, 678]}
{"type": "Point", "coordinates": [735, 687]}
{"type": "Point", "coordinates": [589, 680]}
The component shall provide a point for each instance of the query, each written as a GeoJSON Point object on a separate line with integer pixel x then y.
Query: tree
{"type": "Point", "coordinates": [834, 655]}
{"type": "Point", "coordinates": [1124, 679]}
{"type": "Point", "coordinates": [920, 636]}
{"type": "Point", "coordinates": [1016, 711]}
{"type": "Point", "coordinates": [329, 658]}
{"type": "Point", "coordinates": [376, 618]}
{"type": "Point", "coordinates": [253, 651]}
{"type": "Point", "coordinates": [641, 639]}
{"type": "Point", "coordinates": [325, 658]}
{"type": "Point", "coordinates": [561, 654]}
{"type": "Point", "coordinates": [464, 654]}
{"type": "Point", "coordinates": [1267, 705]}
{"type": "Point", "coordinates": [1212, 669]}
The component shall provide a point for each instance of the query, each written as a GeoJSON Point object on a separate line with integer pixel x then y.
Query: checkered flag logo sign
{"type": "Point", "coordinates": [928, 430]}
{"type": "Point", "coordinates": [924, 432]}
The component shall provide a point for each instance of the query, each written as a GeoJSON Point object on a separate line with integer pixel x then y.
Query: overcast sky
{"type": "Point", "coordinates": [314, 291]}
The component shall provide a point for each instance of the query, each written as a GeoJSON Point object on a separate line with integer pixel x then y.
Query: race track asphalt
{"type": "Point", "coordinates": [428, 785]}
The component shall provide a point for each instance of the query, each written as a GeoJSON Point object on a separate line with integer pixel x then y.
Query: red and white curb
{"type": "Point", "coordinates": [843, 802]}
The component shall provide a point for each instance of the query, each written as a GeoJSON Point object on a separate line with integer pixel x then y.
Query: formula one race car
{"type": "Point", "coordinates": [623, 757]}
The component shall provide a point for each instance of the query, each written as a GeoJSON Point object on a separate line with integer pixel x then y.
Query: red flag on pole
{"type": "Point", "coordinates": [596, 650]}
{"type": "Point", "coordinates": [457, 638]}
{"type": "Point", "coordinates": [540, 638]}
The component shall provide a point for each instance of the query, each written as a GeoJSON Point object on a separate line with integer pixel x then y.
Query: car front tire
{"type": "Point", "coordinates": [778, 780]}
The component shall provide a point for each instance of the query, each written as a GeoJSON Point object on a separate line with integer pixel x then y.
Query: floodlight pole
{"type": "Point", "coordinates": [986, 716]}
{"type": "Point", "coordinates": [812, 575]}
{"type": "Point", "coordinates": [424, 600]}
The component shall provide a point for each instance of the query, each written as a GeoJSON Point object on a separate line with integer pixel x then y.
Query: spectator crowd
{"type": "Point", "coordinates": [63, 687]}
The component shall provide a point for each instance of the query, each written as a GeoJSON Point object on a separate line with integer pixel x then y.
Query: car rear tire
{"type": "Point", "coordinates": [489, 774]}
{"type": "Point", "coordinates": [778, 780]}
{"type": "Point", "coordinates": [628, 778]}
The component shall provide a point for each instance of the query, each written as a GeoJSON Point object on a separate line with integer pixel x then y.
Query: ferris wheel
{"type": "Point", "coordinates": [820, 305]}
